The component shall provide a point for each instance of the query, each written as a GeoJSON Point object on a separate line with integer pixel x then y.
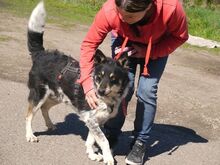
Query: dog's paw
{"type": "Point", "coordinates": [51, 127]}
{"type": "Point", "coordinates": [95, 157]}
{"type": "Point", "coordinates": [109, 160]}
{"type": "Point", "coordinates": [32, 138]}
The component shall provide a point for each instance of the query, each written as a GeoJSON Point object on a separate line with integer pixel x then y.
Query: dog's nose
{"type": "Point", "coordinates": [101, 92]}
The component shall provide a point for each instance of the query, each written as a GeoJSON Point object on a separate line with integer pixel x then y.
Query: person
{"type": "Point", "coordinates": [149, 30]}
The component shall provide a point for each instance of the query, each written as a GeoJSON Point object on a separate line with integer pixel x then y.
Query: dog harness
{"type": "Point", "coordinates": [69, 68]}
{"type": "Point", "coordinates": [77, 90]}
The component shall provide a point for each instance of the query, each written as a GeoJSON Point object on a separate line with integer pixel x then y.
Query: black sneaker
{"type": "Point", "coordinates": [136, 155]}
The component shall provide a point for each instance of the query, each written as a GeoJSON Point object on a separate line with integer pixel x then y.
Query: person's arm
{"type": "Point", "coordinates": [96, 34]}
{"type": "Point", "coordinates": [177, 34]}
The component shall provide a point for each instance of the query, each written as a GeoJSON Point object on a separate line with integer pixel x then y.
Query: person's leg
{"type": "Point", "coordinates": [146, 108]}
{"type": "Point", "coordinates": [147, 99]}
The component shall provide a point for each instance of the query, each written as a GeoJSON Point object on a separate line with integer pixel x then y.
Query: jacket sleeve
{"type": "Point", "coordinates": [176, 35]}
{"type": "Point", "coordinates": [96, 34]}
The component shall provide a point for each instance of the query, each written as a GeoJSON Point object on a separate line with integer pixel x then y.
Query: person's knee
{"type": "Point", "coordinates": [147, 93]}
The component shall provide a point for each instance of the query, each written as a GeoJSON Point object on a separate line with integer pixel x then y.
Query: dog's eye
{"type": "Point", "coordinates": [98, 77]}
{"type": "Point", "coordinates": [113, 79]}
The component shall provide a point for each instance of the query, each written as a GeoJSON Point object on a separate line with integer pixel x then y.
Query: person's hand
{"type": "Point", "coordinates": [140, 50]}
{"type": "Point", "coordinates": [129, 50]}
{"type": "Point", "coordinates": [92, 99]}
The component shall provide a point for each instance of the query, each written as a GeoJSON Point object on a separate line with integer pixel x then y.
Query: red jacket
{"type": "Point", "coordinates": [168, 30]}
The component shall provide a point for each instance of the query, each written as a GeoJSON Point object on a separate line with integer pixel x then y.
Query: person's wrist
{"type": "Point", "coordinates": [87, 85]}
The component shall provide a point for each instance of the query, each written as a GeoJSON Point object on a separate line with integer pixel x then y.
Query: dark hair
{"type": "Point", "coordinates": [133, 6]}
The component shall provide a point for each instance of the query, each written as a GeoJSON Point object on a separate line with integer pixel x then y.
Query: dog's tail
{"type": "Point", "coordinates": [36, 29]}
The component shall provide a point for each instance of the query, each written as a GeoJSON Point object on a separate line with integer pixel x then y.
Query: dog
{"type": "Point", "coordinates": [53, 80]}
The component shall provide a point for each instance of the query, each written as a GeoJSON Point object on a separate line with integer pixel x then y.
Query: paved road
{"type": "Point", "coordinates": [170, 144]}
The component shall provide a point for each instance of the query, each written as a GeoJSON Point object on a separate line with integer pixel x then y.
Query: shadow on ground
{"type": "Point", "coordinates": [71, 125]}
{"type": "Point", "coordinates": [164, 138]}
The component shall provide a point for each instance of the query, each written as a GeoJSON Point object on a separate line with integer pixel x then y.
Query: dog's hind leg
{"type": "Point", "coordinates": [29, 117]}
{"type": "Point", "coordinates": [90, 141]}
{"type": "Point", "coordinates": [45, 112]}
{"type": "Point", "coordinates": [32, 110]}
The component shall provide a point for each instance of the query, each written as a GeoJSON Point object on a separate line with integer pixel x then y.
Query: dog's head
{"type": "Point", "coordinates": [110, 76]}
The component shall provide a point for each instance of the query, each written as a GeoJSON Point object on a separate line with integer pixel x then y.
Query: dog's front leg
{"type": "Point", "coordinates": [101, 140]}
{"type": "Point", "coordinates": [90, 141]}
{"type": "Point", "coordinates": [104, 144]}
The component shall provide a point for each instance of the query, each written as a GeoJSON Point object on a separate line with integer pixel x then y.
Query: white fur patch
{"type": "Point", "coordinates": [37, 19]}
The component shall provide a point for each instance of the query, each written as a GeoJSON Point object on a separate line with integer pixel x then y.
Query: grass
{"type": "Point", "coordinates": [4, 38]}
{"type": "Point", "coordinates": [204, 22]}
{"type": "Point", "coordinates": [58, 11]}
{"type": "Point", "coordinates": [213, 51]}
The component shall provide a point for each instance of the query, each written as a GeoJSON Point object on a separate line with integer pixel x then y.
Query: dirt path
{"type": "Point", "coordinates": [188, 102]}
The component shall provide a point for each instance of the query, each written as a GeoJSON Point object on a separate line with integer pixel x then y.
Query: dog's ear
{"type": "Point", "coordinates": [99, 57]}
{"type": "Point", "coordinates": [123, 60]}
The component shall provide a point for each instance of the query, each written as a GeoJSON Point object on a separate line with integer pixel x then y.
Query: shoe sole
{"type": "Point", "coordinates": [132, 163]}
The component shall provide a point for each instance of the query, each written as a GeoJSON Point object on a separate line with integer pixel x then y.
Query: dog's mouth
{"type": "Point", "coordinates": [104, 92]}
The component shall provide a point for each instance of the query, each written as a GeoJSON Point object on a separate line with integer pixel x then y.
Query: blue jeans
{"type": "Point", "coordinates": [146, 96]}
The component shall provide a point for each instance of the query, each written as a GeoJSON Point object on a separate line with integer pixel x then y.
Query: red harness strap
{"type": "Point", "coordinates": [145, 70]}
{"type": "Point", "coordinates": [122, 48]}
{"type": "Point", "coordinates": [147, 57]}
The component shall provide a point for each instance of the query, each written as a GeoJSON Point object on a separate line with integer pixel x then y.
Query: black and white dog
{"type": "Point", "coordinates": [53, 80]}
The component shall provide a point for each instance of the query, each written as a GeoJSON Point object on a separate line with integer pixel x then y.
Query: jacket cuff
{"type": "Point", "coordinates": [87, 85]}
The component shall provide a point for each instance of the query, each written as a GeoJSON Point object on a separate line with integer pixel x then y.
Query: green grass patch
{"type": "Point", "coordinates": [204, 22]}
{"type": "Point", "coordinates": [214, 51]}
{"type": "Point", "coordinates": [58, 11]}
{"type": "Point", "coordinates": [4, 38]}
